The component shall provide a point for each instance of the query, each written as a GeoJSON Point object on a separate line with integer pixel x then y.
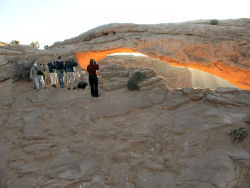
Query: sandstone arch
{"type": "Point", "coordinates": [222, 50]}
{"type": "Point", "coordinates": [235, 75]}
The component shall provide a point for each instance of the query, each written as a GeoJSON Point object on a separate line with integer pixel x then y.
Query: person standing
{"type": "Point", "coordinates": [59, 71]}
{"type": "Point", "coordinates": [51, 67]}
{"type": "Point", "coordinates": [69, 68]}
{"type": "Point", "coordinates": [32, 76]}
{"type": "Point", "coordinates": [93, 80]}
{"type": "Point", "coordinates": [38, 76]}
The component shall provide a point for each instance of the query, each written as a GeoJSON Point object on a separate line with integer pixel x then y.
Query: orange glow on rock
{"type": "Point", "coordinates": [84, 57]}
{"type": "Point", "coordinates": [238, 76]}
{"type": "Point", "coordinates": [235, 75]}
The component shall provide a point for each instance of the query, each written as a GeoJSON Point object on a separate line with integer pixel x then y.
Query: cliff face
{"type": "Point", "coordinates": [221, 49]}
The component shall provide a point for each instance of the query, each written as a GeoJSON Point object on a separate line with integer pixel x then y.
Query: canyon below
{"type": "Point", "coordinates": [175, 131]}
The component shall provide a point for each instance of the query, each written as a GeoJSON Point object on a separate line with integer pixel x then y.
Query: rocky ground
{"type": "Point", "coordinates": [153, 137]}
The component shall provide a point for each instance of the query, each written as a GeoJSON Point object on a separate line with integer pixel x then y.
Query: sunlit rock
{"type": "Point", "coordinates": [221, 50]}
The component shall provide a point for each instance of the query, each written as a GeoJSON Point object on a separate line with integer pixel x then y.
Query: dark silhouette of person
{"type": "Point", "coordinates": [59, 71]}
{"type": "Point", "coordinates": [52, 67]}
{"type": "Point", "coordinates": [93, 80]}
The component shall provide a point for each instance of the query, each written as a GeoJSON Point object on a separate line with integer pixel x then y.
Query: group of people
{"type": "Point", "coordinates": [58, 69]}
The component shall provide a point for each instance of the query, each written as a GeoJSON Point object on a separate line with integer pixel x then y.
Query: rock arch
{"type": "Point", "coordinates": [222, 50]}
{"type": "Point", "coordinates": [236, 75]}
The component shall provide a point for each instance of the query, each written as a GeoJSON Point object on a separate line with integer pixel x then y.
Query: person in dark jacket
{"type": "Point", "coordinates": [93, 80]}
{"type": "Point", "coordinates": [52, 67]}
{"type": "Point", "coordinates": [59, 71]}
{"type": "Point", "coordinates": [69, 69]}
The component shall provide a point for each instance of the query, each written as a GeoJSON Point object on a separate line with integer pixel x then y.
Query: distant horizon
{"type": "Point", "coordinates": [124, 23]}
{"type": "Point", "coordinates": [50, 21]}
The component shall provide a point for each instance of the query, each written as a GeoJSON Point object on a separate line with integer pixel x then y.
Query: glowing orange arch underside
{"type": "Point", "coordinates": [84, 57]}
{"type": "Point", "coordinates": [235, 75]}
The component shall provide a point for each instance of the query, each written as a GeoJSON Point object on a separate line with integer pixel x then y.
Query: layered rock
{"type": "Point", "coordinates": [221, 49]}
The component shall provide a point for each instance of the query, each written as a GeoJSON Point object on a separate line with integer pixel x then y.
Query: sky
{"type": "Point", "coordinates": [48, 21]}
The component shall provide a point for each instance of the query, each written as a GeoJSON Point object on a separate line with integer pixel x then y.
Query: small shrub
{"type": "Point", "coordinates": [214, 22]}
{"type": "Point", "coordinates": [134, 80]}
{"type": "Point", "coordinates": [14, 42]}
{"type": "Point", "coordinates": [21, 71]}
{"type": "Point", "coordinates": [132, 85]}
{"type": "Point", "coordinates": [35, 45]}
{"type": "Point", "coordinates": [238, 135]}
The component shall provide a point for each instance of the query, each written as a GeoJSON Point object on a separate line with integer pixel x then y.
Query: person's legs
{"type": "Point", "coordinates": [42, 81]}
{"type": "Point", "coordinates": [52, 79]}
{"type": "Point", "coordinates": [73, 82]}
{"type": "Point", "coordinates": [56, 79]}
{"type": "Point", "coordinates": [68, 80]}
{"type": "Point", "coordinates": [91, 83]}
{"type": "Point", "coordinates": [60, 77]}
{"type": "Point", "coordinates": [37, 82]}
{"type": "Point", "coordinates": [96, 86]}
{"type": "Point", "coordinates": [64, 75]}
{"type": "Point", "coordinates": [45, 77]}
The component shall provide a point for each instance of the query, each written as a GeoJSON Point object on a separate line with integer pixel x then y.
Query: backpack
{"type": "Point", "coordinates": [39, 72]}
{"type": "Point", "coordinates": [82, 85]}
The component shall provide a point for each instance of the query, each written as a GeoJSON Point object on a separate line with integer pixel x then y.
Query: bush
{"type": "Point", "coordinates": [238, 135]}
{"type": "Point", "coordinates": [132, 85]}
{"type": "Point", "coordinates": [46, 47]}
{"type": "Point", "coordinates": [214, 22]}
{"type": "Point", "coordinates": [35, 45]}
{"type": "Point", "coordinates": [15, 42]}
{"type": "Point", "coordinates": [21, 71]}
{"type": "Point", "coordinates": [134, 80]}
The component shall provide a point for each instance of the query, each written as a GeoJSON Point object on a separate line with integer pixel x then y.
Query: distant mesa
{"type": "Point", "coordinates": [2, 43]}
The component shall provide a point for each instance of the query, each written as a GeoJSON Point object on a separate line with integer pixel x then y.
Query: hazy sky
{"type": "Point", "coordinates": [48, 21]}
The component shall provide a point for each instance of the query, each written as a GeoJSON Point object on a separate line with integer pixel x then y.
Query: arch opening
{"type": "Point", "coordinates": [236, 76]}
